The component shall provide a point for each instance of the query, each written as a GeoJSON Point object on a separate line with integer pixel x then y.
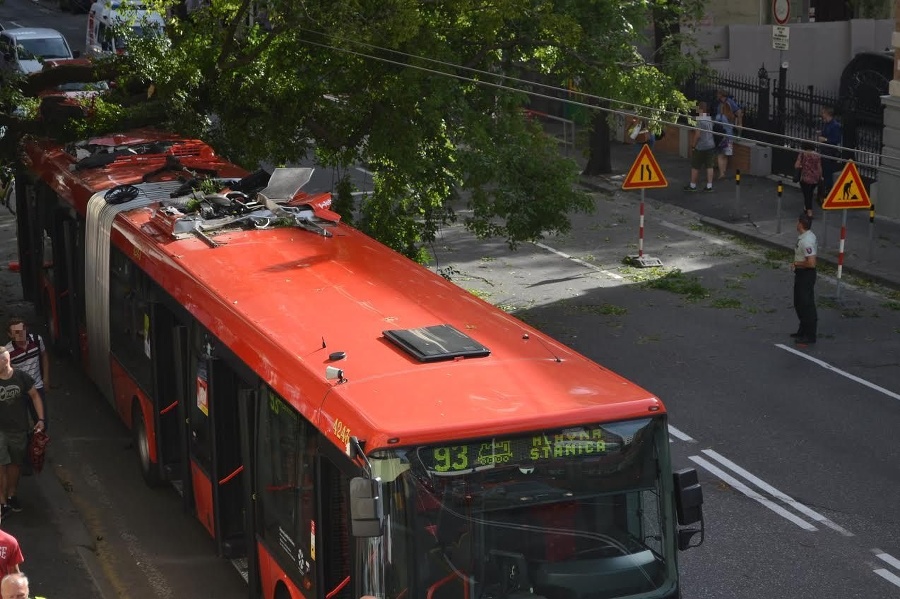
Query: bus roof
{"type": "Point", "coordinates": [285, 299]}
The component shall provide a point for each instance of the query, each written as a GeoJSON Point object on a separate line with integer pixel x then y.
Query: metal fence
{"type": "Point", "coordinates": [775, 106]}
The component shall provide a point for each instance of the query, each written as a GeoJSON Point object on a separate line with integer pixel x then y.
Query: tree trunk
{"type": "Point", "coordinates": [599, 155]}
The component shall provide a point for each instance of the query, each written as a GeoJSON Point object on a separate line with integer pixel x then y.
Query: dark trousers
{"type": "Point", "coordinates": [808, 190]}
{"type": "Point", "coordinates": [805, 301]}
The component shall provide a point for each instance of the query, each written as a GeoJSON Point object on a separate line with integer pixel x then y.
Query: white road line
{"type": "Point", "coordinates": [364, 171]}
{"type": "Point", "coordinates": [683, 436]}
{"type": "Point", "coordinates": [890, 559]}
{"type": "Point", "coordinates": [843, 373]}
{"type": "Point", "coordinates": [888, 576]}
{"type": "Point", "coordinates": [752, 494]}
{"type": "Point", "coordinates": [775, 492]}
{"type": "Point", "coordinates": [578, 261]}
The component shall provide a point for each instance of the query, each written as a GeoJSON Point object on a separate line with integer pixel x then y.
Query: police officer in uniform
{"type": "Point", "coordinates": [804, 267]}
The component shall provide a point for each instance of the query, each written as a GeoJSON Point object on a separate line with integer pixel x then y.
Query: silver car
{"type": "Point", "coordinates": [24, 49]}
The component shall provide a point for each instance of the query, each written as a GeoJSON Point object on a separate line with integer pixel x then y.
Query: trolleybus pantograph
{"type": "Point", "coordinates": [342, 421]}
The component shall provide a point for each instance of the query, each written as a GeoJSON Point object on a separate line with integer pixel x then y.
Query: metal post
{"type": "Point", "coordinates": [825, 229]}
{"type": "Point", "coordinates": [812, 111]}
{"type": "Point", "coordinates": [841, 253]}
{"type": "Point", "coordinates": [780, 190]}
{"type": "Point", "coordinates": [737, 191]}
{"type": "Point", "coordinates": [871, 232]}
{"type": "Point", "coordinates": [763, 113]}
{"type": "Point", "coordinates": [782, 96]}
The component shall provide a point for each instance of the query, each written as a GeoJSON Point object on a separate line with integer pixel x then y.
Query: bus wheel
{"type": "Point", "coordinates": [281, 592]}
{"type": "Point", "coordinates": [142, 446]}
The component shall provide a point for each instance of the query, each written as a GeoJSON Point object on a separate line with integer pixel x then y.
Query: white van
{"type": "Point", "coordinates": [106, 14]}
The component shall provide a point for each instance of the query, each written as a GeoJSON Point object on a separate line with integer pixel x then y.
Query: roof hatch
{"type": "Point", "coordinates": [439, 342]}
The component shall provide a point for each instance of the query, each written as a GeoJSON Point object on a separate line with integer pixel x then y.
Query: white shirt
{"type": "Point", "coordinates": [807, 246]}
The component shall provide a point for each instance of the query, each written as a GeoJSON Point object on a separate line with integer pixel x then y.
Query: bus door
{"type": "Point", "coordinates": [170, 337]}
{"type": "Point", "coordinates": [214, 444]}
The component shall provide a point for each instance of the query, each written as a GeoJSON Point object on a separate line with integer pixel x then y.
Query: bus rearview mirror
{"type": "Point", "coordinates": [366, 508]}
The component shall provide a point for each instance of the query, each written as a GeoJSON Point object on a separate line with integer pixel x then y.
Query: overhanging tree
{"type": "Point", "coordinates": [411, 89]}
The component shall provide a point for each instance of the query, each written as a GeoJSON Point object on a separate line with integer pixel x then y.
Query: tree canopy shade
{"type": "Point", "coordinates": [412, 89]}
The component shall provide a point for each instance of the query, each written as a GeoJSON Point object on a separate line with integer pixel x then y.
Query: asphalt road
{"type": "Point", "coordinates": [795, 448]}
{"type": "Point", "coordinates": [797, 456]}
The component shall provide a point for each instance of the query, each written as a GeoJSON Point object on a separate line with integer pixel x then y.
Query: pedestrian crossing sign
{"type": "Point", "coordinates": [645, 172]}
{"type": "Point", "coordinates": [848, 191]}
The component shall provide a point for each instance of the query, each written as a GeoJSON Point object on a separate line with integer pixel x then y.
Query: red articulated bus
{"type": "Point", "coordinates": [344, 422]}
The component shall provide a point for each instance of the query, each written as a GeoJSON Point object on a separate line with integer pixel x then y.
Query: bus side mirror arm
{"type": "Point", "coordinates": [688, 506]}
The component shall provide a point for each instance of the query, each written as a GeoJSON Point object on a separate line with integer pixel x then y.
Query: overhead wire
{"type": "Point", "coordinates": [624, 108]}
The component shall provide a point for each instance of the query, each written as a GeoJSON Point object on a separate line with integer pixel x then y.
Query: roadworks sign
{"type": "Point", "coordinates": [645, 172]}
{"type": "Point", "coordinates": [848, 191]}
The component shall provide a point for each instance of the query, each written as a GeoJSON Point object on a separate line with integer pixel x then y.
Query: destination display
{"type": "Point", "coordinates": [449, 459]}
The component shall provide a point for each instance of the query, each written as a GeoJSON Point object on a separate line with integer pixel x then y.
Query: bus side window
{"type": "Point", "coordinates": [129, 314]}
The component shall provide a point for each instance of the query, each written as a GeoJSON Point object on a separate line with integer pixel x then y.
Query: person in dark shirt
{"type": "Point", "coordinates": [832, 135]}
{"type": "Point", "coordinates": [14, 425]}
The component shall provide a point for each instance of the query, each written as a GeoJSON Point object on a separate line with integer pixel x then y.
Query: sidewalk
{"type": "Point", "coordinates": [871, 251]}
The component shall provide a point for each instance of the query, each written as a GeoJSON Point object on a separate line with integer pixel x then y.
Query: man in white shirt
{"type": "Point", "coordinates": [804, 267]}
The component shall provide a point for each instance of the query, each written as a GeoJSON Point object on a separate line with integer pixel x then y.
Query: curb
{"type": "Point", "coordinates": [850, 270]}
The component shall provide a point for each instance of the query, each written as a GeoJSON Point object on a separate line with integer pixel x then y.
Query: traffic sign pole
{"type": "Point", "coordinates": [644, 173]}
{"type": "Point", "coordinates": [641, 229]}
{"type": "Point", "coordinates": [840, 267]}
{"type": "Point", "coordinates": [847, 192]}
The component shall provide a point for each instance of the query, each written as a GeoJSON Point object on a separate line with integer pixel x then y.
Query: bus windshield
{"type": "Point", "coordinates": [575, 513]}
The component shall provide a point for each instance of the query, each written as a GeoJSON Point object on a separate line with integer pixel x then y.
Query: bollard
{"type": "Point", "coordinates": [737, 190]}
{"type": "Point", "coordinates": [871, 232]}
{"type": "Point", "coordinates": [780, 190]}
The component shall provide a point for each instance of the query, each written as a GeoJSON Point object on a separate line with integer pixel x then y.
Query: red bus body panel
{"type": "Point", "coordinates": [203, 498]}
{"type": "Point", "coordinates": [125, 391]}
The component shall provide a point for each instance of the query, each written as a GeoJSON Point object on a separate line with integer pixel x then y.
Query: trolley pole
{"type": "Point", "coordinates": [779, 190]}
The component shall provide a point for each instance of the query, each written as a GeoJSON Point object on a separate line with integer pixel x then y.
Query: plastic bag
{"type": "Point", "coordinates": [37, 447]}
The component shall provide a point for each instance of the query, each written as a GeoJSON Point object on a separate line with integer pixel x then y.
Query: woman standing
{"type": "Point", "coordinates": [725, 116]}
{"type": "Point", "coordinates": [810, 164]}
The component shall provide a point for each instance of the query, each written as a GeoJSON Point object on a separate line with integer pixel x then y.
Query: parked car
{"type": "Point", "coordinates": [105, 17]}
{"type": "Point", "coordinates": [24, 49]}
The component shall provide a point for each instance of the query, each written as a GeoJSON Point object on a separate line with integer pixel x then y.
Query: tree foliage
{"type": "Point", "coordinates": [409, 88]}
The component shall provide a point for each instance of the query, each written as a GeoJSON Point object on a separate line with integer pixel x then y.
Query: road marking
{"type": "Point", "coordinates": [680, 435]}
{"type": "Point", "coordinates": [890, 559]}
{"type": "Point", "coordinates": [843, 373]}
{"type": "Point", "coordinates": [752, 494]}
{"type": "Point", "coordinates": [888, 576]}
{"type": "Point", "coordinates": [578, 261]}
{"type": "Point", "coordinates": [364, 171]}
{"type": "Point", "coordinates": [761, 484]}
